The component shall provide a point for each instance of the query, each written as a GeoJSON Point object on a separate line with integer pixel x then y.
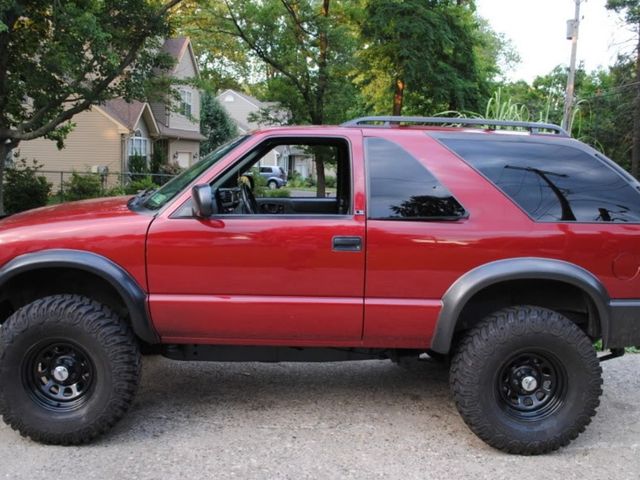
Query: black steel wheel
{"type": "Point", "coordinates": [59, 375]}
{"type": "Point", "coordinates": [531, 385]}
{"type": "Point", "coordinates": [526, 380]}
{"type": "Point", "coordinates": [69, 369]}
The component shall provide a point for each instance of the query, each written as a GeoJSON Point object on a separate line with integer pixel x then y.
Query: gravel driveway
{"type": "Point", "coordinates": [367, 419]}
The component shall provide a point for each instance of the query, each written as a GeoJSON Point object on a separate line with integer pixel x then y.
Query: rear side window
{"type": "Point", "coordinates": [401, 188]}
{"type": "Point", "coordinates": [553, 182]}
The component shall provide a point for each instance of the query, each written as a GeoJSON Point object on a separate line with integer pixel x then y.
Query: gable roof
{"type": "Point", "coordinates": [129, 113]}
{"type": "Point", "coordinates": [248, 98]}
{"type": "Point", "coordinates": [177, 47]}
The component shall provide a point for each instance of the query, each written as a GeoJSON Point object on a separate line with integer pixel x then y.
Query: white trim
{"type": "Point", "coordinates": [151, 116]}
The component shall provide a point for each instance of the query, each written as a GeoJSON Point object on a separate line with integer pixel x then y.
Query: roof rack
{"type": "Point", "coordinates": [386, 121]}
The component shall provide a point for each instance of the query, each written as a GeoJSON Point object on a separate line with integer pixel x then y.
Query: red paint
{"type": "Point", "coordinates": [277, 281]}
{"type": "Point", "coordinates": [104, 226]}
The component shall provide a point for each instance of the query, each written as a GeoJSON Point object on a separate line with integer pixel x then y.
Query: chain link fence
{"type": "Point", "coordinates": [110, 182]}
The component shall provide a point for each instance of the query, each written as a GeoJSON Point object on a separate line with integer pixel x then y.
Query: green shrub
{"type": "Point", "coordinates": [115, 191]}
{"type": "Point", "coordinates": [83, 186]}
{"type": "Point", "coordinates": [258, 182]}
{"type": "Point", "coordinates": [139, 185]}
{"type": "Point", "coordinates": [278, 193]}
{"type": "Point", "coordinates": [138, 164]}
{"type": "Point", "coordinates": [166, 169]}
{"type": "Point", "coordinates": [158, 159]}
{"type": "Point", "coordinates": [330, 181]}
{"type": "Point", "coordinates": [24, 189]}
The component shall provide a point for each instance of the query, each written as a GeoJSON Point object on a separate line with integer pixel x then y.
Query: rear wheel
{"type": "Point", "coordinates": [69, 369]}
{"type": "Point", "coordinates": [526, 380]}
{"type": "Point", "coordinates": [272, 184]}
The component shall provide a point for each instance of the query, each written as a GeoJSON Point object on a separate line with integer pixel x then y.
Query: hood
{"type": "Point", "coordinates": [103, 226]}
{"type": "Point", "coordinates": [98, 208]}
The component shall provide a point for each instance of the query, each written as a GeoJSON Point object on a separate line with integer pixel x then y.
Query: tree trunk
{"type": "Point", "coordinates": [321, 184]}
{"type": "Point", "coordinates": [398, 97]}
{"type": "Point", "coordinates": [635, 150]}
{"type": "Point", "coordinates": [5, 148]}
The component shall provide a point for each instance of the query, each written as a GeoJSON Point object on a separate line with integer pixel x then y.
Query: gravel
{"type": "Point", "coordinates": [369, 419]}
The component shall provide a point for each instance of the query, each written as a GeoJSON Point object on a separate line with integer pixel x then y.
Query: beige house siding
{"type": "Point", "coordinates": [178, 147]}
{"type": "Point", "coordinates": [187, 70]}
{"type": "Point", "coordinates": [95, 140]}
{"type": "Point", "coordinates": [238, 109]}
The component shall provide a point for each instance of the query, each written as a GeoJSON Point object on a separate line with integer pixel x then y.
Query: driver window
{"type": "Point", "coordinates": [301, 177]}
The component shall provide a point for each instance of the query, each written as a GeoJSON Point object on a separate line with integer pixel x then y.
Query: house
{"type": "Point", "coordinates": [107, 135]}
{"type": "Point", "coordinates": [243, 108]}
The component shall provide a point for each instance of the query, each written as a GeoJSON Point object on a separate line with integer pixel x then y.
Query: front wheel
{"type": "Point", "coordinates": [69, 369]}
{"type": "Point", "coordinates": [526, 380]}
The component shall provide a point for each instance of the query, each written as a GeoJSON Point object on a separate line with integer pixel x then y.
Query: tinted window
{"type": "Point", "coordinates": [401, 188]}
{"type": "Point", "coordinates": [553, 182]}
{"type": "Point", "coordinates": [265, 169]}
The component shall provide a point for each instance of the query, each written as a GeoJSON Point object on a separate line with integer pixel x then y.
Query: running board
{"type": "Point", "coordinates": [613, 353]}
{"type": "Point", "coordinates": [227, 353]}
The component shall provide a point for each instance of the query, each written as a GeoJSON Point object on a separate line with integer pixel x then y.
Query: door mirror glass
{"type": "Point", "coordinates": [202, 201]}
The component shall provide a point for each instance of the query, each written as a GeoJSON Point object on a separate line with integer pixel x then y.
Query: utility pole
{"type": "Point", "coordinates": [572, 34]}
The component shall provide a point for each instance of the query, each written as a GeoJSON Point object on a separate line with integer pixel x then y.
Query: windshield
{"type": "Point", "coordinates": [160, 197]}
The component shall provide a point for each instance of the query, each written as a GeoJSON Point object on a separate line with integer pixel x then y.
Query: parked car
{"type": "Point", "coordinates": [276, 176]}
{"type": "Point", "coordinates": [505, 248]}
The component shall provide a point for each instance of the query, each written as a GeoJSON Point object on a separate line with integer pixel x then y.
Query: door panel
{"type": "Point", "coordinates": [255, 277]}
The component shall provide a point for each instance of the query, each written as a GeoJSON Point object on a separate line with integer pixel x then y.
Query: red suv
{"type": "Point", "coordinates": [507, 250]}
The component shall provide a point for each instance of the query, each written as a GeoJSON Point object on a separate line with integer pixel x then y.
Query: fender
{"type": "Point", "coordinates": [531, 268]}
{"type": "Point", "coordinates": [131, 293]}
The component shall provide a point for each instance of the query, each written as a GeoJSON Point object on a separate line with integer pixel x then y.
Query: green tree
{"type": "Point", "coordinates": [25, 189]}
{"type": "Point", "coordinates": [301, 52]}
{"type": "Point", "coordinates": [59, 58]}
{"type": "Point", "coordinates": [435, 55]}
{"type": "Point", "coordinates": [604, 105]}
{"type": "Point", "coordinates": [215, 123]}
{"type": "Point", "coordinates": [631, 11]}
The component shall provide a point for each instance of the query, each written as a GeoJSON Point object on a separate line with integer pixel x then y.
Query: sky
{"type": "Point", "coordinates": [538, 30]}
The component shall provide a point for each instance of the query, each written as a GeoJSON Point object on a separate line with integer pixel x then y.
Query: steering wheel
{"type": "Point", "coordinates": [249, 204]}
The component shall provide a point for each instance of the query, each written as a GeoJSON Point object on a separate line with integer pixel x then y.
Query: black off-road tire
{"type": "Point", "coordinates": [91, 345]}
{"type": "Point", "coordinates": [491, 375]}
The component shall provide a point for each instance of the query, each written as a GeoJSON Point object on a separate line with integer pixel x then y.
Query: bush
{"type": "Point", "coordinates": [296, 181]}
{"type": "Point", "coordinates": [330, 181]}
{"type": "Point", "coordinates": [24, 189]}
{"type": "Point", "coordinates": [115, 192]}
{"type": "Point", "coordinates": [258, 182]}
{"type": "Point", "coordinates": [279, 193]}
{"type": "Point", "coordinates": [138, 164]}
{"type": "Point", "coordinates": [139, 185]}
{"type": "Point", "coordinates": [83, 186]}
{"type": "Point", "coordinates": [158, 159]}
{"type": "Point", "coordinates": [172, 169]}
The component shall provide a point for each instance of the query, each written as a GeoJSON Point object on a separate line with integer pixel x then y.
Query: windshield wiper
{"type": "Point", "coordinates": [141, 196]}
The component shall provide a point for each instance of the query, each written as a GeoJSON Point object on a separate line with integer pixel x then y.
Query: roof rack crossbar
{"type": "Point", "coordinates": [386, 121]}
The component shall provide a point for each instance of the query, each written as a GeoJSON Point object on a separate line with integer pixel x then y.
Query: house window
{"type": "Point", "coordinates": [186, 101]}
{"type": "Point", "coordinates": [138, 145]}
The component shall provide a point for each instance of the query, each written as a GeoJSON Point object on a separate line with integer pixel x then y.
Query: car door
{"type": "Point", "coordinates": [261, 278]}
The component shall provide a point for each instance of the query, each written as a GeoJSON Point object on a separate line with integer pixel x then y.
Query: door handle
{"type": "Point", "coordinates": [347, 244]}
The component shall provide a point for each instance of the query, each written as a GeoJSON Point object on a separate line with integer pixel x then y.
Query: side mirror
{"type": "Point", "coordinates": [202, 201]}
